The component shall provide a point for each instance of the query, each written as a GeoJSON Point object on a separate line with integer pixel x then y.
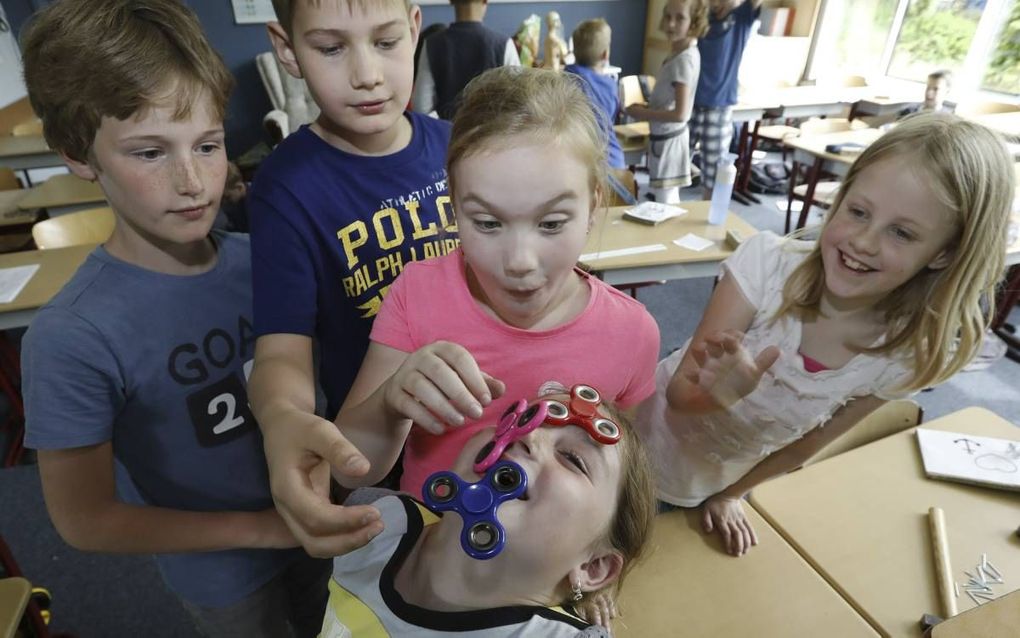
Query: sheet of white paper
{"type": "Point", "coordinates": [654, 212]}
{"type": "Point", "coordinates": [983, 460]}
{"type": "Point", "coordinates": [12, 280]}
{"type": "Point", "coordinates": [607, 254]}
{"type": "Point", "coordinates": [690, 241]}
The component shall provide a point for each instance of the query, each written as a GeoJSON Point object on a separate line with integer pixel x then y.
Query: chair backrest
{"type": "Point", "coordinates": [818, 126]}
{"type": "Point", "coordinates": [631, 91]}
{"type": "Point", "coordinates": [14, 114]}
{"type": "Point", "coordinates": [92, 226]}
{"type": "Point", "coordinates": [893, 417]}
{"type": "Point", "coordinates": [8, 180]}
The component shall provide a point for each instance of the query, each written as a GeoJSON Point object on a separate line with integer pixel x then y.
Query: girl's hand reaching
{"type": "Point", "coordinates": [439, 385]}
{"type": "Point", "coordinates": [725, 370]}
{"type": "Point", "coordinates": [725, 515]}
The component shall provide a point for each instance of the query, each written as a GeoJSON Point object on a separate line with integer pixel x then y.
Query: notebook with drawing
{"type": "Point", "coordinates": [981, 460]}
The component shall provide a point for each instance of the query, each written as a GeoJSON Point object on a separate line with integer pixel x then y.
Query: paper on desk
{"type": "Point", "coordinates": [621, 252]}
{"type": "Point", "coordinates": [653, 212]}
{"type": "Point", "coordinates": [690, 241]}
{"type": "Point", "coordinates": [12, 280]}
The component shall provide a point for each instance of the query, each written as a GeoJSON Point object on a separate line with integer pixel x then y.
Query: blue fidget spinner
{"type": "Point", "coordinates": [482, 536]}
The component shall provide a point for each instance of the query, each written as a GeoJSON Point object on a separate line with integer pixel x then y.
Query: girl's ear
{"type": "Point", "coordinates": [599, 572]}
{"type": "Point", "coordinates": [597, 202]}
{"type": "Point", "coordinates": [415, 19]}
{"type": "Point", "coordinates": [79, 168]}
{"type": "Point", "coordinates": [283, 48]}
{"type": "Point", "coordinates": [942, 260]}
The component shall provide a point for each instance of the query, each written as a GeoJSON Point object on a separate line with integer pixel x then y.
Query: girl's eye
{"type": "Point", "coordinates": [388, 44]}
{"type": "Point", "coordinates": [330, 50]}
{"type": "Point", "coordinates": [486, 225]}
{"type": "Point", "coordinates": [902, 234]}
{"type": "Point", "coordinates": [209, 148]}
{"type": "Point", "coordinates": [857, 213]}
{"type": "Point", "coordinates": [552, 226]}
{"type": "Point", "coordinates": [576, 460]}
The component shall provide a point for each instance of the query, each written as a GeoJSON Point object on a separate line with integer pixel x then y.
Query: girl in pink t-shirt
{"type": "Point", "coordinates": [503, 313]}
{"type": "Point", "coordinates": [508, 310]}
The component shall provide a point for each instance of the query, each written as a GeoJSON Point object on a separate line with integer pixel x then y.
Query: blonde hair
{"type": "Point", "coordinates": [285, 8]}
{"type": "Point", "coordinates": [699, 18]}
{"type": "Point", "coordinates": [545, 105]}
{"type": "Point", "coordinates": [591, 41]}
{"type": "Point", "coordinates": [89, 59]}
{"type": "Point", "coordinates": [631, 525]}
{"type": "Point", "coordinates": [937, 315]}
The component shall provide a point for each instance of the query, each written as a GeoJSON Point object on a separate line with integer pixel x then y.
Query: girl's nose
{"type": "Point", "coordinates": [866, 241]}
{"type": "Point", "coordinates": [521, 258]}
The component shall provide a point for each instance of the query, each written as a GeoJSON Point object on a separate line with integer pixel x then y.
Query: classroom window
{"type": "Point", "coordinates": [978, 40]}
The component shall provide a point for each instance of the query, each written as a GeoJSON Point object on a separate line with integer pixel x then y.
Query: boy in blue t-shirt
{"type": "Point", "coordinates": [336, 211]}
{"type": "Point", "coordinates": [721, 49]}
{"type": "Point", "coordinates": [134, 374]}
{"type": "Point", "coordinates": [591, 41]}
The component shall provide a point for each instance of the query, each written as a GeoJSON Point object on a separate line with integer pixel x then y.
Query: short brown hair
{"type": "Point", "coordinates": [285, 9]}
{"type": "Point", "coordinates": [89, 59]}
{"type": "Point", "coordinates": [591, 41]}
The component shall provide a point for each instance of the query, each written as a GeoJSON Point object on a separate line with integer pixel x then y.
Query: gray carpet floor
{"type": "Point", "coordinates": [104, 596]}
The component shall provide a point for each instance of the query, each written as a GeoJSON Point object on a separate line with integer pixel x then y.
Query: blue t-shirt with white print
{"type": "Point", "coordinates": [158, 365]}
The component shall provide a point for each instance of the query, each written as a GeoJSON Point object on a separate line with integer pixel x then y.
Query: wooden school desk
{"type": "Point", "coordinates": [1007, 124]}
{"type": "Point", "coordinates": [991, 619]}
{"type": "Point", "coordinates": [63, 194]}
{"type": "Point", "coordinates": [56, 266]}
{"type": "Point", "coordinates": [14, 594]}
{"type": "Point", "coordinates": [22, 152]}
{"type": "Point", "coordinates": [861, 519]}
{"type": "Point", "coordinates": [687, 586]}
{"type": "Point", "coordinates": [611, 233]}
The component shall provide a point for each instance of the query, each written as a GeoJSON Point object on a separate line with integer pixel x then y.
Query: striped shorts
{"type": "Point", "coordinates": [712, 128]}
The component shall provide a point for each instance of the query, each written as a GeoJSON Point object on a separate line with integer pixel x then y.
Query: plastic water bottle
{"type": "Point", "coordinates": [725, 176]}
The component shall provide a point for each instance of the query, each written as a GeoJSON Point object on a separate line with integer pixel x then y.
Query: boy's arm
{"type": "Point", "coordinates": [679, 113]}
{"type": "Point", "coordinates": [690, 391]}
{"type": "Point", "coordinates": [724, 512]}
{"type": "Point", "coordinates": [78, 485]}
{"type": "Point", "coordinates": [301, 447]}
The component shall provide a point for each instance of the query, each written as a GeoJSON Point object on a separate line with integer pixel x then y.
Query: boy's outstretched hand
{"type": "Point", "coordinates": [725, 370]}
{"type": "Point", "coordinates": [725, 515]}
{"type": "Point", "coordinates": [438, 385]}
{"type": "Point", "coordinates": [598, 608]}
{"type": "Point", "coordinates": [299, 472]}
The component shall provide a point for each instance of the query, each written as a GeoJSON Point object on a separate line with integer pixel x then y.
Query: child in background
{"type": "Point", "coordinates": [722, 48]}
{"type": "Point", "coordinates": [140, 362]}
{"type": "Point", "coordinates": [887, 301]}
{"type": "Point", "coordinates": [462, 51]}
{"type": "Point", "coordinates": [935, 91]}
{"type": "Point", "coordinates": [584, 521]}
{"type": "Point", "coordinates": [336, 211]}
{"type": "Point", "coordinates": [669, 107]}
{"type": "Point", "coordinates": [526, 162]}
{"type": "Point", "coordinates": [591, 54]}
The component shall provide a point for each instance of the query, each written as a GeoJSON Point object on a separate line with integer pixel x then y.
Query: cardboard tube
{"type": "Point", "coordinates": [943, 570]}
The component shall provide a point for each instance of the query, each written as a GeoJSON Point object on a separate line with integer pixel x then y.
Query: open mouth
{"type": "Point", "coordinates": [853, 264]}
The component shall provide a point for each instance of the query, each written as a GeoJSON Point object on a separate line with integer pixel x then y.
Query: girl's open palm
{"type": "Point", "coordinates": [725, 369]}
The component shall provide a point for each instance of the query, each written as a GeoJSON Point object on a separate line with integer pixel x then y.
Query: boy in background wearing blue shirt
{"type": "Point", "coordinates": [140, 362]}
{"type": "Point", "coordinates": [729, 27]}
{"type": "Point", "coordinates": [591, 54]}
{"type": "Point", "coordinates": [336, 211]}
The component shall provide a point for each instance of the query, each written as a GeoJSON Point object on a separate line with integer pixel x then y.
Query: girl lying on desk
{"type": "Point", "coordinates": [573, 493]}
{"type": "Point", "coordinates": [801, 339]}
